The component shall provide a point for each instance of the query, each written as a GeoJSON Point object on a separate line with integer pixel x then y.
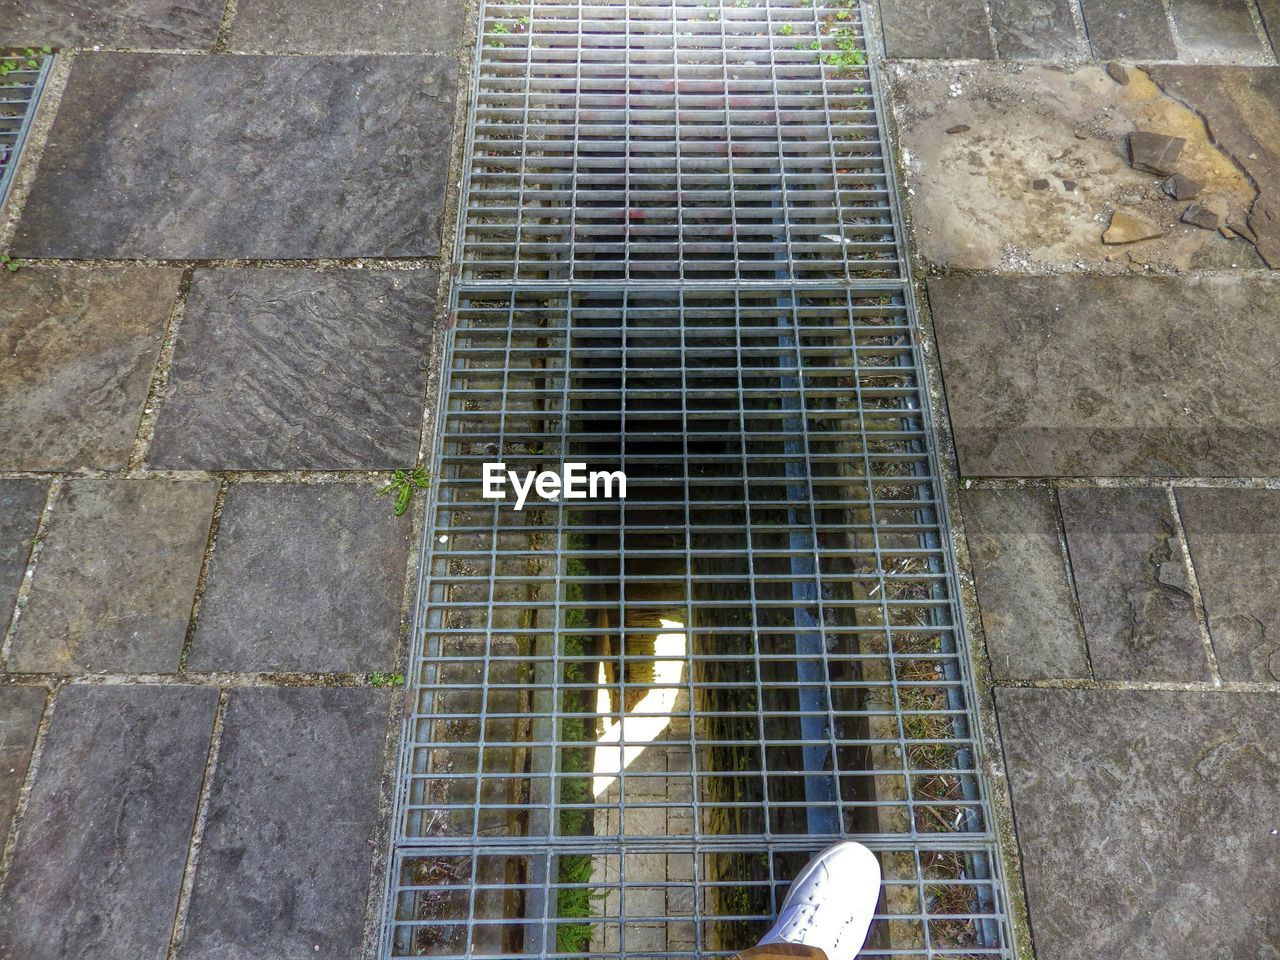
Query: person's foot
{"type": "Point", "coordinates": [831, 902]}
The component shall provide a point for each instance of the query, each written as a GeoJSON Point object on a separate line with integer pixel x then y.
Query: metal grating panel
{"type": "Point", "coordinates": [630, 722]}
{"type": "Point", "coordinates": [22, 78]}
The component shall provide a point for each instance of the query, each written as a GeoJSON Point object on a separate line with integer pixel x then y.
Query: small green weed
{"type": "Point", "coordinates": [8, 263]}
{"type": "Point", "coordinates": [403, 483]}
{"type": "Point", "coordinates": [786, 30]}
{"type": "Point", "coordinates": [386, 679]}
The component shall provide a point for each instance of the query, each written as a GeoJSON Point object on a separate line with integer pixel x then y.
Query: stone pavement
{"type": "Point", "coordinates": [1115, 428]}
{"type": "Point", "coordinates": [220, 342]}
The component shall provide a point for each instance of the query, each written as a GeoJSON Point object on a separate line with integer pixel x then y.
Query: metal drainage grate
{"type": "Point", "coordinates": [630, 722]}
{"type": "Point", "coordinates": [22, 78]}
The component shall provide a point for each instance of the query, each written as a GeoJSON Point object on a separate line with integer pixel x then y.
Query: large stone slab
{"type": "Point", "coordinates": [116, 578]}
{"type": "Point", "coordinates": [155, 155]}
{"type": "Point", "coordinates": [1133, 584]}
{"type": "Point", "coordinates": [294, 369]}
{"type": "Point", "coordinates": [20, 711]}
{"type": "Point", "coordinates": [1024, 589]}
{"type": "Point", "coordinates": [1146, 820]}
{"type": "Point", "coordinates": [321, 26]}
{"type": "Point", "coordinates": [1033, 183]}
{"type": "Point", "coordinates": [266, 875]}
{"type": "Point", "coordinates": [101, 850]}
{"type": "Point", "coordinates": [1238, 105]}
{"type": "Point", "coordinates": [1270, 10]}
{"type": "Point", "coordinates": [1036, 30]}
{"type": "Point", "coordinates": [1217, 31]}
{"type": "Point", "coordinates": [1109, 376]}
{"type": "Point", "coordinates": [164, 24]}
{"type": "Point", "coordinates": [1129, 29]}
{"type": "Point", "coordinates": [1234, 537]}
{"type": "Point", "coordinates": [303, 578]}
{"type": "Point", "coordinates": [78, 348]}
{"type": "Point", "coordinates": [936, 29]}
{"type": "Point", "coordinates": [21, 502]}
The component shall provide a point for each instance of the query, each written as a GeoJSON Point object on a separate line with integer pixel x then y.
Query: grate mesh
{"type": "Point", "coordinates": [631, 721]}
{"type": "Point", "coordinates": [22, 78]}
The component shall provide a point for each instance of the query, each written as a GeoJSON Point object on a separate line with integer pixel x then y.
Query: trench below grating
{"type": "Point", "coordinates": [22, 79]}
{"type": "Point", "coordinates": [630, 722]}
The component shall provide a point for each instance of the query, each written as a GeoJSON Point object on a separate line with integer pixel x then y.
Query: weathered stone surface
{"type": "Point", "coordinates": [1239, 109]}
{"type": "Point", "coordinates": [1111, 376]}
{"type": "Point", "coordinates": [969, 198]}
{"type": "Point", "coordinates": [267, 875]}
{"type": "Point", "coordinates": [97, 871]}
{"type": "Point", "coordinates": [1234, 536]}
{"type": "Point", "coordinates": [321, 26]}
{"type": "Point", "coordinates": [1036, 30]}
{"type": "Point", "coordinates": [1270, 10]}
{"type": "Point", "coordinates": [303, 578]}
{"type": "Point", "coordinates": [180, 25]}
{"type": "Point", "coordinates": [115, 582]}
{"type": "Point", "coordinates": [1133, 584]}
{"type": "Point", "coordinates": [77, 351]}
{"type": "Point", "coordinates": [1218, 31]}
{"type": "Point", "coordinates": [1128, 29]}
{"type": "Point", "coordinates": [294, 369]}
{"type": "Point", "coordinates": [1180, 188]}
{"type": "Point", "coordinates": [1144, 820]}
{"type": "Point", "coordinates": [1126, 227]}
{"type": "Point", "coordinates": [1118, 73]}
{"type": "Point", "coordinates": [1155, 152]}
{"type": "Point", "coordinates": [156, 155]}
{"type": "Point", "coordinates": [20, 712]}
{"type": "Point", "coordinates": [21, 502]}
{"type": "Point", "coordinates": [1024, 592]}
{"type": "Point", "coordinates": [936, 29]}
{"type": "Point", "coordinates": [1199, 215]}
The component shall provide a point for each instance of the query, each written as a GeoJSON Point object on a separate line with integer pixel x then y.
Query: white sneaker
{"type": "Point", "coordinates": [831, 902]}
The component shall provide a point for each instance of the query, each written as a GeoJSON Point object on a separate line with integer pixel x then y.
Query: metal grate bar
{"type": "Point", "coordinates": [22, 79]}
{"type": "Point", "coordinates": [631, 721]}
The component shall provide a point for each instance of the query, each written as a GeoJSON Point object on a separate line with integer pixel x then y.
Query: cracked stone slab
{"type": "Point", "coordinates": [1217, 31]}
{"type": "Point", "coordinates": [1133, 584]}
{"type": "Point", "coordinates": [298, 370]}
{"type": "Point", "coordinates": [116, 579]}
{"type": "Point", "coordinates": [305, 578]}
{"type": "Point", "coordinates": [172, 156]}
{"type": "Point", "coordinates": [1036, 30]}
{"type": "Point", "coordinates": [78, 348]}
{"type": "Point", "coordinates": [266, 875]}
{"type": "Point", "coordinates": [1111, 376]}
{"type": "Point", "coordinates": [1129, 29]}
{"type": "Point", "coordinates": [21, 503]}
{"type": "Point", "coordinates": [971, 194]}
{"type": "Point", "coordinates": [1024, 590]}
{"type": "Point", "coordinates": [319, 26]}
{"type": "Point", "coordinates": [20, 711]}
{"type": "Point", "coordinates": [1238, 105]}
{"type": "Point", "coordinates": [100, 853]}
{"type": "Point", "coordinates": [1162, 804]}
{"type": "Point", "coordinates": [1234, 537]}
{"type": "Point", "coordinates": [932, 29]}
{"type": "Point", "coordinates": [184, 24]}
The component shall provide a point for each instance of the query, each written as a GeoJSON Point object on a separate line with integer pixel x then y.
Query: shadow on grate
{"type": "Point", "coordinates": [22, 79]}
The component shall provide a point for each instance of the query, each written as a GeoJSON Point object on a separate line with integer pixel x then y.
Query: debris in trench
{"type": "Point", "coordinates": [1180, 187]}
{"type": "Point", "coordinates": [1040, 184]}
{"type": "Point", "coordinates": [1154, 152]}
{"type": "Point", "coordinates": [1068, 185]}
{"type": "Point", "coordinates": [1127, 227]}
{"type": "Point", "coordinates": [958, 128]}
{"type": "Point", "coordinates": [1118, 73]}
{"type": "Point", "coordinates": [1199, 215]}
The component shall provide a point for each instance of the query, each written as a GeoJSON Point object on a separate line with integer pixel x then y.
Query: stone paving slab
{"type": "Point", "coordinates": [172, 156]}
{"type": "Point", "coordinates": [303, 578]}
{"type": "Point", "coordinates": [319, 26]}
{"type": "Point", "coordinates": [1220, 31]}
{"type": "Point", "coordinates": [1108, 376]}
{"type": "Point", "coordinates": [21, 502]}
{"type": "Point", "coordinates": [1133, 584]}
{"type": "Point", "coordinates": [1146, 821]}
{"type": "Point", "coordinates": [78, 348]}
{"type": "Point", "coordinates": [99, 859]}
{"type": "Point", "coordinates": [113, 589]}
{"type": "Point", "coordinates": [936, 29]}
{"type": "Point", "coordinates": [298, 370]}
{"type": "Point", "coordinates": [1270, 11]}
{"type": "Point", "coordinates": [1036, 30]}
{"type": "Point", "coordinates": [160, 24]}
{"type": "Point", "coordinates": [20, 711]}
{"type": "Point", "coordinates": [1024, 589]}
{"type": "Point", "coordinates": [1032, 181]}
{"type": "Point", "coordinates": [1129, 29]}
{"type": "Point", "coordinates": [1234, 537]}
{"type": "Point", "coordinates": [287, 848]}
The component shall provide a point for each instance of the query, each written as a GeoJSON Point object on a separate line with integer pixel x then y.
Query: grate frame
{"type": "Point", "coordinates": [20, 91]}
